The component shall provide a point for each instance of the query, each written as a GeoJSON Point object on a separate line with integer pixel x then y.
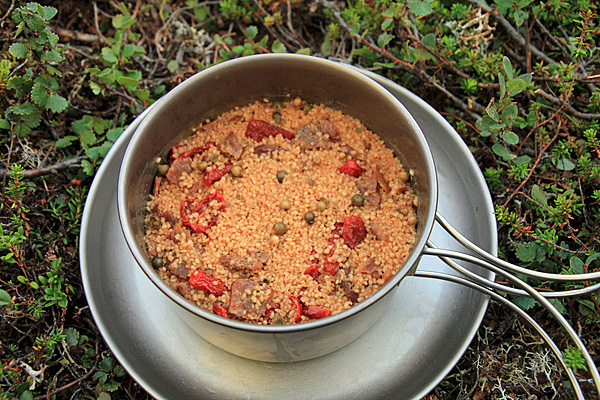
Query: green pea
{"type": "Point", "coordinates": [281, 176]}
{"type": "Point", "coordinates": [236, 171]}
{"type": "Point", "coordinates": [285, 204]}
{"type": "Point", "coordinates": [280, 228]}
{"type": "Point", "coordinates": [321, 206]}
{"type": "Point", "coordinates": [157, 262]}
{"type": "Point", "coordinates": [357, 200]}
{"type": "Point", "coordinates": [309, 217]}
{"type": "Point", "coordinates": [163, 169]}
{"type": "Point", "coordinates": [277, 117]}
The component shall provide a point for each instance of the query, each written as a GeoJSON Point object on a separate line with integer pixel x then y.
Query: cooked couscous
{"type": "Point", "coordinates": [280, 213]}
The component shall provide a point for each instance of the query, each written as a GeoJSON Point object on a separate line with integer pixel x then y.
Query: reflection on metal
{"type": "Point", "coordinates": [507, 270]}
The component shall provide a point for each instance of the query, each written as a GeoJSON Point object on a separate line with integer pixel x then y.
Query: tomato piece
{"type": "Point", "coordinates": [331, 267]}
{"type": "Point", "coordinates": [351, 168]}
{"type": "Point", "coordinates": [313, 271]}
{"type": "Point", "coordinates": [200, 280]}
{"type": "Point", "coordinates": [194, 225]}
{"type": "Point", "coordinates": [220, 310]}
{"type": "Point", "coordinates": [316, 312]}
{"type": "Point", "coordinates": [354, 231]}
{"type": "Point", "coordinates": [296, 302]}
{"type": "Point", "coordinates": [196, 150]}
{"type": "Point", "coordinates": [216, 174]}
{"type": "Point", "coordinates": [258, 129]}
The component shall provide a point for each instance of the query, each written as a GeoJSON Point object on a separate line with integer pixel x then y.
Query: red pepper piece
{"type": "Point", "coordinates": [220, 310]}
{"type": "Point", "coordinates": [296, 302]}
{"type": "Point", "coordinates": [196, 150]}
{"type": "Point", "coordinates": [216, 174]}
{"type": "Point", "coordinates": [193, 225]}
{"type": "Point", "coordinates": [313, 271]}
{"type": "Point", "coordinates": [331, 267]}
{"type": "Point", "coordinates": [351, 168]}
{"type": "Point", "coordinates": [200, 280]}
{"type": "Point", "coordinates": [316, 312]}
{"type": "Point", "coordinates": [258, 129]}
{"type": "Point", "coordinates": [354, 231]}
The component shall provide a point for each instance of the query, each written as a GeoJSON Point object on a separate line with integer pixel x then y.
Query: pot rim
{"type": "Point", "coordinates": [426, 225]}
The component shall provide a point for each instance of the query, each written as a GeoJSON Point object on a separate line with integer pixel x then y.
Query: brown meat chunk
{"type": "Point", "coordinates": [178, 168]}
{"type": "Point", "coordinates": [184, 289]}
{"type": "Point", "coordinates": [377, 231]}
{"type": "Point", "coordinates": [348, 292]}
{"type": "Point", "coordinates": [241, 304]}
{"type": "Point", "coordinates": [181, 271]}
{"type": "Point", "coordinates": [232, 146]}
{"type": "Point", "coordinates": [157, 181]}
{"type": "Point", "coordinates": [383, 183]}
{"type": "Point", "coordinates": [370, 268]}
{"type": "Point", "coordinates": [244, 264]}
{"type": "Point", "coordinates": [327, 128]}
{"type": "Point", "coordinates": [369, 186]}
{"type": "Point", "coordinates": [266, 148]}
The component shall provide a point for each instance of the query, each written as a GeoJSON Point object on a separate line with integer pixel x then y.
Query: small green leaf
{"type": "Point", "coordinates": [509, 113]}
{"type": "Point", "coordinates": [492, 111]}
{"type": "Point", "coordinates": [510, 137]}
{"type": "Point", "coordinates": [508, 67]}
{"type": "Point", "coordinates": [526, 252]}
{"type": "Point", "coordinates": [515, 86]}
{"type": "Point", "coordinates": [538, 194]}
{"type": "Point", "coordinates": [278, 47]}
{"type": "Point", "coordinates": [113, 134]}
{"type": "Point", "coordinates": [429, 39]}
{"type": "Point", "coordinates": [502, 83]}
{"type": "Point", "coordinates": [387, 23]}
{"type": "Point", "coordinates": [106, 364]}
{"type": "Point", "coordinates": [576, 265]}
{"type": "Point", "coordinates": [521, 160]}
{"type": "Point", "coordinates": [503, 152]}
{"type": "Point", "coordinates": [121, 21]}
{"type": "Point", "coordinates": [127, 82]}
{"type": "Point", "coordinates": [520, 16]}
{"type": "Point", "coordinates": [564, 164]}
{"type": "Point", "coordinates": [5, 298]}
{"type": "Point", "coordinates": [18, 50]}
{"type": "Point", "coordinates": [4, 124]}
{"type": "Point", "coordinates": [384, 39]}
{"type": "Point", "coordinates": [525, 303]}
{"type": "Point", "coordinates": [65, 141]}
{"type": "Point", "coordinates": [96, 88]}
{"type": "Point", "coordinates": [56, 103]}
{"type": "Point", "coordinates": [72, 336]}
{"type": "Point", "coordinates": [251, 32]}
{"type": "Point", "coordinates": [420, 7]}
{"type": "Point", "coordinates": [109, 55]}
{"type": "Point", "coordinates": [172, 66]}
{"type": "Point", "coordinates": [49, 12]}
{"type": "Point", "coordinates": [559, 306]}
{"type": "Point", "coordinates": [304, 50]}
{"type": "Point", "coordinates": [141, 94]}
{"type": "Point", "coordinates": [87, 167]}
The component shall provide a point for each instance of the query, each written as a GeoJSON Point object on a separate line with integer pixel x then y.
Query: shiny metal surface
{"type": "Point", "coordinates": [427, 327]}
{"type": "Point", "coordinates": [274, 76]}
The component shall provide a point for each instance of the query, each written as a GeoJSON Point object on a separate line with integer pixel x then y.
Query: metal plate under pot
{"type": "Point", "coordinates": [428, 327]}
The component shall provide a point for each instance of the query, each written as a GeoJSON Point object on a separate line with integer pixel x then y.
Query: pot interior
{"type": "Point", "coordinates": [274, 76]}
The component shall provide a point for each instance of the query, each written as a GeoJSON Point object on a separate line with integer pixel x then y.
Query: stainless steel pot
{"type": "Point", "coordinates": [236, 82]}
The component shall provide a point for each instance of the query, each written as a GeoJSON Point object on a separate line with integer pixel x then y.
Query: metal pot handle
{"type": "Point", "coordinates": [506, 269]}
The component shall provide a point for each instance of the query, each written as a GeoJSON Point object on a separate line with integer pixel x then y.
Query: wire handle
{"type": "Point", "coordinates": [507, 270]}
